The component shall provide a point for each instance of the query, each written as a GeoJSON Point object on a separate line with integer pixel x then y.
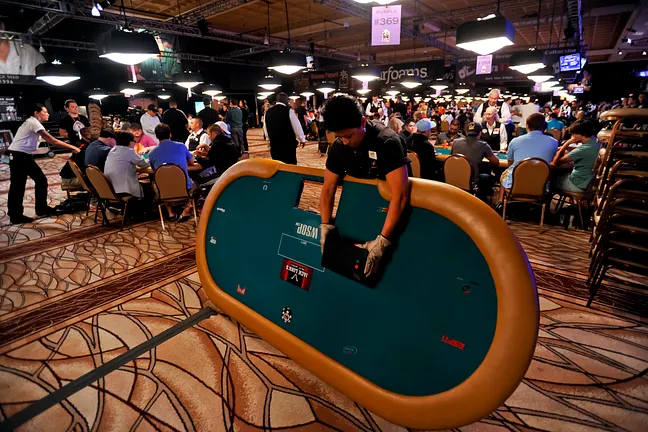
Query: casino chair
{"type": "Point", "coordinates": [530, 178]}
{"type": "Point", "coordinates": [445, 126]}
{"type": "Point", "coordinates": [171, 184]}
{"type": "Point", "coordinates": [106, 194]}
{"type": "Point", "coordinates": [83, 180]}
{"type": "Point", "coordinates": [458, 172]}
{"type": "Point", "coordinates": [415, 164]}
{"type": "Point", "coordinates": [557, 134]}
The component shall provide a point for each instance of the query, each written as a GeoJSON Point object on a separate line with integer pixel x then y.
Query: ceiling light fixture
{"type": "Point", "coordinates": [308, 93]}
{"type": "Point", "coordinates": [462, 90]}
{"type": "Point", "coordinates": [486, 36]}
{"type": "Point", "coordinates": [57, 74]}
{"type": "Point", "coordinates": [393, 91]}
{"type": "Point", "coordinates": [287, 62]}
{"type": "Point", "coordinates": [366, 73]}
{"type": "Point", "coordinates": [98, 94]}
{"type": "Point", "coordinates": [131, 89]}
{"type": "Point", "coordinates": [363, 91]}
{"type": "Point", "coordinates": [294, 97]}
{"type": "Point", "coordinates": [326, 87]}
{"type": "Point", "coordinates": [527, 62]}
{"type": "Point", "coordinates": [126, 47]}
{"type": "Point", "coordinates": [164, 95]}
{"type": "Point", "coordinates": [270, 83]}
{"type": "Point", "coordinates": [541, 75]}
{"type": "Point", "coordinates": [220, 97]}
{"type": "Point", "coordinates": [211, 90]}
{"type": "Point", "coordinates": [187, 80]}
{"type": "Point", "coordinates": [412, 81]}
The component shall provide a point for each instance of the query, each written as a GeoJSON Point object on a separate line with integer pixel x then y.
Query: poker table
{"type": "Point", "coordinates": [443, 153]}
{"type": "Point", "coordinates": [443, 338]}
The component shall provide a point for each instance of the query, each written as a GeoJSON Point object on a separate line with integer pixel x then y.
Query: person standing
{"type": "Point", "coordinates": [374, 106]}
{"type": "Point", "coordinates": [527, 109]}
{"type": "Point", "coordinates": [565, 110]}
{"type": "Point", "coordinates": [246, 119]}
{"type": "Point", "coordinates": [70, 126]}
{"type": "Point", "coordinates": [234, 118]}
{"type": "Point", "coordinates": [23, 165]}
{"type": "Point", "coordinates": [177, 121]}
{"type": "Point", "coordinates": [400, 107]}
{"type": "Point", "coordinates": [284, 131]}
{"type": "Point", "coordinates": [149, 122]}
{"type": "Point", "coordinates": [208, 115]}
{"type": "Point", "coordinates": [503, 110]}
{"type": "Point", "coordinates": [301, 113]}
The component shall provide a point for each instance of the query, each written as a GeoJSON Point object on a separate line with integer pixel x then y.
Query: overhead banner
{"type": "Point", "coordinates": [385, 25]}
{"type": "Point", "coordinates": [427, 70]}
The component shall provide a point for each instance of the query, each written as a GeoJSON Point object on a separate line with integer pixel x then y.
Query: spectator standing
{"type": "Point", "coordinates": [527, 109]}
{"type": "Point", "coordinates": [177, 121]}
{"type": "Point", "coordinates": [208, 115]}
{"type": "Point", "coordinates": [283, 130]}
{"type": "Point", "coordinates": [70, 126]}
{"type": "Point", "coordinates": [149, 122]}
{"type": "Point", "coordinates": [234, 118]}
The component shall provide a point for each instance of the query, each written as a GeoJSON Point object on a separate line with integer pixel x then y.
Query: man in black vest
{"type": "Point", "coordinates": [197, 136]}
{"type": "Point", "coordinates": [284, 131]}
{"type": "Point", "coordinates": [503, 111]}
{"type": "Point", "coordinates": [494, 132]}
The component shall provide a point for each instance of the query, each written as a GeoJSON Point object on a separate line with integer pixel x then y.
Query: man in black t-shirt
{"type": "Point", "coordinates": [301, 113]}
{"type": "Point", "coordinates": [208, 115]}
{"type": "Point", "coordinates": [70, 126]}
{"type": "Point", "coordinates": [177, 121]}
{"type": "Point", "coordinates": [369, 150]}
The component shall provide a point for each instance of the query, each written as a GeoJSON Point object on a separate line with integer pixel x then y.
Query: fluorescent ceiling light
{"type": "Point", "coordinates": [485, 36]}
{"type": "Point", "coordinates": [187, 80]}
{"type": "Point", "coordinates": [294, 97]}
{"type": "Point", "coordinates": [462, 90]}
{"type": "Point", "coordinates": [366, 73]}
{"type": "Point", "coordinates": [127, 47]}
{"type": "Point", "coordinates": [266, 93]}
{"type": "Point", "coordinates": [164, 95]}
{"type": "Point", "coordinates": [439, 87]}
{"type": "Point", "coordinates": [219, 97]}
{"type": "Point", "coordinates": [211, 90]}
{"type": "Point", "coordinates": [527, 62]}
{"type": "Point", "coordinates": [270, 83]}
{"type": "Point", "coordinates": [307, 93]}
{"type": "Point", "coordinates": [363, 91]}
{"type": "Point", "coordinates": [287, 63]}
{"type": "Point", "coordinates": [392, 92]}
{"type": "Point", "coordinates": [325, 87]}
{"type": "Point", "coordinates": [131, 89]}
{"type": "Point", "coordinates": [539, 78]}
{"type": "Point", "coordinates": [98, 94]}
{"type": "Point", "coordinates": [528, 68]}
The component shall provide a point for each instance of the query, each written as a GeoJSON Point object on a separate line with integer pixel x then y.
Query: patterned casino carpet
{"type": "Point", "coordinates": [74, 295]}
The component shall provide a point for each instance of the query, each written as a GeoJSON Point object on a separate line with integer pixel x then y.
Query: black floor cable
{"type": "Point", "coordinates": [83, 381]}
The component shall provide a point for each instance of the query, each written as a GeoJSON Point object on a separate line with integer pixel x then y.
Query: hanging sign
{"type": "Point", "coordinates": [385, 25]}
{"type": "Point", "coordinates": [484, 65]}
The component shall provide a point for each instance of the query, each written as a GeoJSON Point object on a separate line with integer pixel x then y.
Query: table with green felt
{"type": "Point", "coordinates": [442, 154]}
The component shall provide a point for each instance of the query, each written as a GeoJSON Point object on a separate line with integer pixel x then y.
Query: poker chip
{"type": "Point", "coordinates": [286, 315]}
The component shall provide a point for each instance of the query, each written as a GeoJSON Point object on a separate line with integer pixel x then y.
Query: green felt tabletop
{"type": "Point", "coordinates": [425, 327]}
{"type": "Point", "coordinates": [446, 151]}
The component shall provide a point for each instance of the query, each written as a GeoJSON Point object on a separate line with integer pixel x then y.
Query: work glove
{"type": "Point", "coordinates": [376, 250]}
{"type": "Point", "coordinates": [325, 230]}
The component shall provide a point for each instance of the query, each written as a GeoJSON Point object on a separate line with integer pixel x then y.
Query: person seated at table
{"type": "Point", "coordinates": [197, 136]}
{"type": "Point", "coordinates": [419, 143]}
{"type": "Point", "coordinates": [449, 137]}
{"type": "Point", "coordinates": [475, 150]}
{"type": "Point", "coordinates": [97, 151]}
{"type": "Point", "coordinates": [222, 153]}
{"type": "Point", "coordinates": [409, 127]}
{"type": "Point", "coordinates": [533, 144]}
{"type": "Point", "coordinates": [493, 131]}
{"type": "Point", "coordinates": [168, 151]}
{"type": "Point", "coordinates": [143, 142]}
{"type": "Point", "coordinates": [554, 123]}
{"type": "Point", "coordinates": [583, 157]}
{"type": "Point", "coordinates": [67, 175]}
{"type": "Point", "coordinates": [121, 169]}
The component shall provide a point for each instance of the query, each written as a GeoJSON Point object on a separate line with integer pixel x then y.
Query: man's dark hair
{"type": "Point", "coordinates": [106, 133]}
{"type": "Point", "coordinates": [536, 122]}
{"type": "Point", "coordinates": [455, 123]}
{"type": "Point", "coordinates": [234, 101]}
{"type": "Point", "coordinates": [342, 112]}
{"type": "Point", "coordinates": [86, 133]}
{"type": "Point", "coordinates": [207, 101]}
{"type": "Point", "coordinates": [585, 127]}
{"type": "Point", "coordinates": [214, 128]}
{"type": "Point", "coordinates": [199, 120]}
{"type": "Point", "coordinates": [124, 139]}
{"type": "Point", "coordinates": [124, 126]}
{"type": "Point", "coordinates": [135, 126]}
{"type": "Point", "coordinates": [553, 115]}
{"type": "Point", "coordinates": [173, 103]}
{"type": "Point", "coordinates": [68, 102]}
{"type": "Point", "coordinates": [283, 98]}
{"type": "Point", "coordinates": [162, 132]}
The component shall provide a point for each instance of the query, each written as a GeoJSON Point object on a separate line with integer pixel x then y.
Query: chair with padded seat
{"type": "Point", "coordinates": [556, 133]}
{"type": "Point", "coordinates": [83, 181]}
{"type": "Point", "coordinates": [458, 172]}
{"type": "Point", "coordinates": [530, 178]}
{"type": "Point", "coordinates": [415, 164]}
{"type": "Point", "coordinates": [171, 183]}
{"type": "Point", "coordinates": [106, 194]}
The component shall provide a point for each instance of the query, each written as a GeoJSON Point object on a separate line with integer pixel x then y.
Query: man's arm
{"type": "Point", "coordinates": [399, 184]}
{"type": "Point", "coordinates": [506, 113]}
{"type": "Point", "coordinates": [503, 138]}
{"type": "Point", "coordinates": [327, 195]}
{"type": "Point", "coordinates": [50, 139]}
{"type": "Point", "coordinates": [488, 154]}
{"type": "Point", "coordinates": [296, 126]}
{"type": "Point", "coordinates": [478, 115]}
{"type": "Point", "coordinates": [561, 156]}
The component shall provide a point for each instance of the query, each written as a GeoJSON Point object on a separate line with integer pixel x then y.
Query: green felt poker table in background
{"type": "Point", "coordinates": [441, 340]}
{"type": "Point", "coordinates": [443, 153]}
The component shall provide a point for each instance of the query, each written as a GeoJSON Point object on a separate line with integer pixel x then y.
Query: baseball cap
{"type": "Point", "coordinates": [224, 127]}
{"type": "Point", "coordinates": [424, 125]}
{"type": "Point", "coordinates": [151, 107]}
{"type": "Point", "coordinates": [473, 129]}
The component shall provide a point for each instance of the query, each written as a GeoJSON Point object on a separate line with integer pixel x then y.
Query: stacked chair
{"type": "Point", "coordinates": [619, 238]}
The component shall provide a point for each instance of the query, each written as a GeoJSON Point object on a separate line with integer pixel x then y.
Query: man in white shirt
{"type": "Point", "coordinates": [284, 131]}
{"type": "Point", "coordinates": [149, 121]}
{"type": "Point", "coordinates": [374, 106]}
{"type": "Point", "coordinates": [197, 136]}
{"type": "Point", "coordinates": [23, 165]}
{"type": "Point", "coordinates": [527, 109]}
{"type": "Point", "coordinates": [503, 111]}
{"type": "Point", "coordinates": [17, 58]}
{"type": "Point", "coordinates": [565, 110]}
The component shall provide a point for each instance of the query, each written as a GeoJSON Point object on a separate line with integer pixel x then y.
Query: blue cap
{"type": "Point", "coordinates": [424, 125]}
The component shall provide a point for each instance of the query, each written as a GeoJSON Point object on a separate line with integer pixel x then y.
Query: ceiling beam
{"type": "Point", "coordinates": [45, 23]}
{"type": "Point", "coordinates": [631, 21]}
{"type": "Point", "coordinates": [210, 9]}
